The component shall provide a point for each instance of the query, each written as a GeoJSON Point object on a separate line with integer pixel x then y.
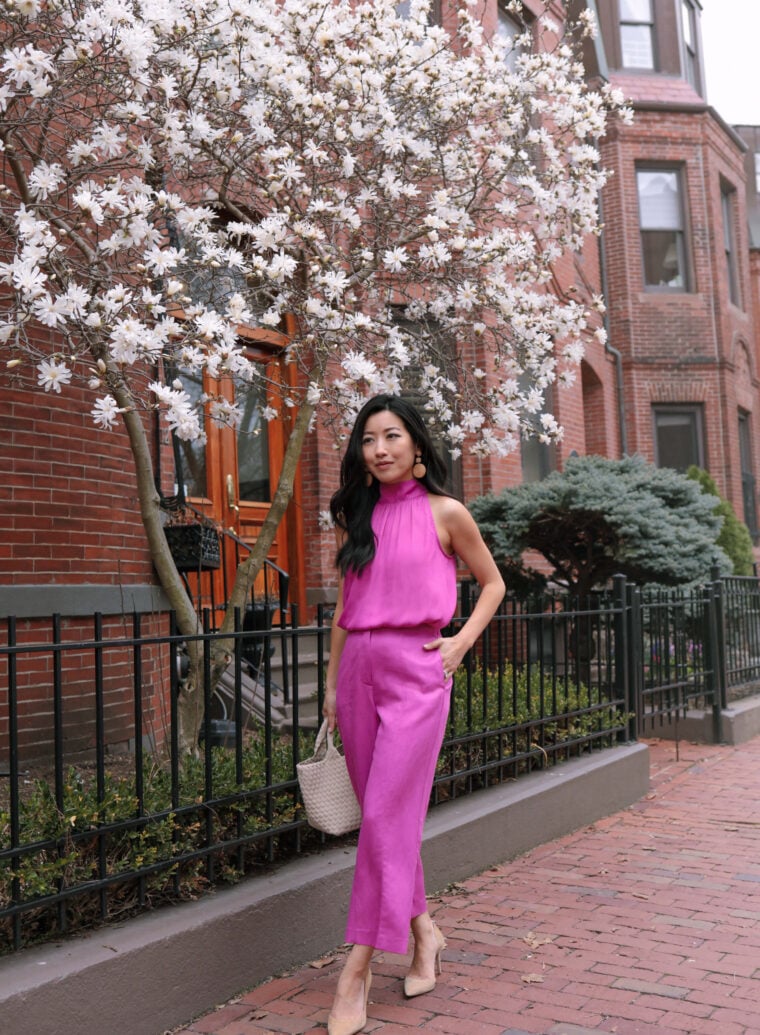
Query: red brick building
{"type": "Point", "coordinates": [679, 273]}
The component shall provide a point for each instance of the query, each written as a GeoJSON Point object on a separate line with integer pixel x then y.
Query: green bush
{"type": "Point", "coordinates": [734, 538]}
{"type": "Point", "coordinates": [512, 722]}
{"type": "Point", "coordinates": [85, 849]}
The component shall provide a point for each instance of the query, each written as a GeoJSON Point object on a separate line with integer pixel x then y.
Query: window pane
{"type": "Point", "coordinates": [659, 202]}
{"type": "Point", "coordinates": [688, 28]}
{"type": "Point", "coordinates": [748, 479]}
{"type": "Point", "coordinates": [745, 448]}
{"type": "Point", "coordinates": [663, 258]}
{"type": "Point", "coordinates": [538, 459]}
{"type": "Point", "coordinates": [253, 448]}
{"type": "Point", "coordinates": [404, 10]}
{"type": "Point", "coordinates": [727, 204]}
{"type": "Point", "coordinates": [757, 172]}
{"type": "Point", "coordinates": [678, 443]}
{"type": "Point", "coordinates": [192, 455]}
{"type": "Point", "coordinates": [508, 29]}
{"type": "Point", "coordinates": [635, 11]}
{"type": "Point", "coordinates": [636, 44]}
{"type": "Point", "coordinates": [691, 70]}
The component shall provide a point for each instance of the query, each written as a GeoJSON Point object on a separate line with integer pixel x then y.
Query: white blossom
{"type": "Point", "coordinates": [257, 164]}
{"type": "Point", "coordinates": [394, 259]}
{"type": "Point", "coordinates": [52, 374]}
{"type": "Point", "coordinates": [226, 413]}
{"type": "Point", "coordinates": [105, 411]}
{"type": "Point", "coordinates": [179, 412]}
{"type": "Point", "coordinates": [44, 179]}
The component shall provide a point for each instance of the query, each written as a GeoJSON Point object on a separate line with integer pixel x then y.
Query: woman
{"type": "Point", "coordinates": [389, 677]}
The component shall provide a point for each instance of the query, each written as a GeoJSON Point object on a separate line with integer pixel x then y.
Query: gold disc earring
{"type": "Point", "coordinates": [419, 470]}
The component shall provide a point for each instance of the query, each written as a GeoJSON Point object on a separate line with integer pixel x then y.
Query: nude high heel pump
{"type": "Point", "coordinates": [355, 1024]}
{"type": "Point", "coordinates": [419, 986]}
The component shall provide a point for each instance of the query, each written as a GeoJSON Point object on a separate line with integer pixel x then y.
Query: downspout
{"type": "Point", "coordinates": [608, 348]}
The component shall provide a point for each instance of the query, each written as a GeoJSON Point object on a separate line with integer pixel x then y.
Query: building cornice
{"type": "Point", "coordinates": [692, 109]}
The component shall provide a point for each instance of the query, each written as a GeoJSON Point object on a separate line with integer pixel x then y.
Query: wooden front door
{"type": "Point", "coordinates": [232, 477]}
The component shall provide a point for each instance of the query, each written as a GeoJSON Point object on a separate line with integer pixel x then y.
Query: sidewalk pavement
{"type": "Point", "coordinates": [646, 921]}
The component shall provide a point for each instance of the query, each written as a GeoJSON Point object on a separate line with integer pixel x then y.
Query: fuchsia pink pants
{"type": "Point", "coordinates": [392, 703]}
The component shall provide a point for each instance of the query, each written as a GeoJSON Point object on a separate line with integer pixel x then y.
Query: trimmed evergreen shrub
{"type": "Point", "coordinates": [599, 518]}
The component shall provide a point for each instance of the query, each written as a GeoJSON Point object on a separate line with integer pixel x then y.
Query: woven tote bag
{"type": "Point", "coordinates": [328, 797]}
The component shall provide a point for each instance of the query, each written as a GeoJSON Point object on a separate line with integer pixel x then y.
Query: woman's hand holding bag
{"type": "Point", "coordinates": [328, 797]}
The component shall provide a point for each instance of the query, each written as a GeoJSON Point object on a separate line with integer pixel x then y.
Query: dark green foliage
{"type": "Point", "coordinates": [74, 849]}
{"type": "Point", "coordinates": [734, 538]}
{"type": "Point", "coordinates": [522, 719]}
{"type": "Point", "coordinates": [601, 517]}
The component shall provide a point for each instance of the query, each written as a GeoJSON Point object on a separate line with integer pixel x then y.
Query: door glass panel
{"type": "Point", "coordinates": [253, 447]}
{"type": "Point", "coordinates": [192, 455]}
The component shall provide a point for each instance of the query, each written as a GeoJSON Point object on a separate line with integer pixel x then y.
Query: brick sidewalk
{"type": "Point", "coordinates": [647, 921]}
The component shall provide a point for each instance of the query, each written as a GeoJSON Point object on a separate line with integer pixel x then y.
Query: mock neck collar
{"type": "Point", "coordinates": [401, 490]}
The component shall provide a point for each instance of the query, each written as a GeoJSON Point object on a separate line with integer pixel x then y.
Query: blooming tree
{"type": "Point", "coordinates": [177, 169]}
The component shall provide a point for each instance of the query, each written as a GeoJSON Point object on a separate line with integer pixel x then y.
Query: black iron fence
{"type": "Point", "coordinates": [675, 635]}
{"type": "Point", "coordinates": [89, 838]}
{"type": "Point", "coordinates": [738, 601]}
{"type": "Point", "coordinates": [546, 682]}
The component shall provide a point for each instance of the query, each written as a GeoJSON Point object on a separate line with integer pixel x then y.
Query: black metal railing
{"type": "Point", "coordinates": [95, 831]}
{"type": "Point", "coordinates": [106, 835]}
{"type": "Point", "coordinates": [272, 588]}
{"type": "Point", "coordinates": [544, 683]}
{"type": "Point", "coordinates": [673, 630]}
{"type": "Point", "coordinates": [739, 602]}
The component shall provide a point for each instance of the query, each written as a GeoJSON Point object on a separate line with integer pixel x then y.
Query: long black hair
{"type": "Point", "coordinates": [352, 505]}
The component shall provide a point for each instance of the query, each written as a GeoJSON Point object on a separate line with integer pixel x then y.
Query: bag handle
{"type": "Point", "coordinates": [324, 742]}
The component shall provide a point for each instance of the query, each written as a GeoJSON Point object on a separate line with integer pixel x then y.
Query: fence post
{"type": "Point", "coordinates": [465, 598]}
{"type": "Point", "coordinates": [635, 661]}
{"type": "Point", "coordinates": [720, 628]}
{"type": "Point", "coordinates": [622, 652]}
{"type": "Point", "coordinates": [714, 664]}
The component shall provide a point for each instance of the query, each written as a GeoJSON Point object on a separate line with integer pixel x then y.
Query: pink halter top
{"type": "Point", "coordinates": [410, 581]}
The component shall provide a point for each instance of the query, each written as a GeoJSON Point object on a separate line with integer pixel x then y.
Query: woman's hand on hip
{"type": "Point", "coordinates": [452, 653]}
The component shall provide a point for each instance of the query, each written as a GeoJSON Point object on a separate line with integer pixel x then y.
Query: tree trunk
{"type": "Point", "coordinates": [190, 702]}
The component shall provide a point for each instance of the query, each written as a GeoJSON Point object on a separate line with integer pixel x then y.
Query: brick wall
{"type": "Point", "coordinates": [67, 494]}
{"type": "Point", "coordinates": [35, 688]}
{"type": "Point", "coordinates": [320, 472]}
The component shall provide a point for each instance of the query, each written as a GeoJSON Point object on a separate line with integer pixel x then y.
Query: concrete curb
{"type": "Point", "coordinates": [740, 722]}
{"type": "Point", "coordinates": [160, 970]}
